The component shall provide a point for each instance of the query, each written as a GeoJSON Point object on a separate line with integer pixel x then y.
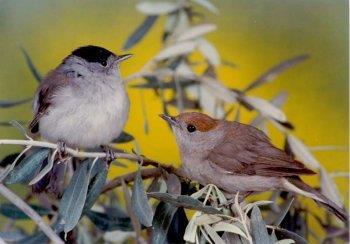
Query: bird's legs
{"type": "Point", "coordinates": [110, 157]}
{"type": "Point", "coordinates": [61, 151]}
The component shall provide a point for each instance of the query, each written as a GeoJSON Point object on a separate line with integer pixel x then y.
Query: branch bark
{"type": "Point", "coordinates": [71, 151]}
{"type": "Point", "coordinates": [145, 174]}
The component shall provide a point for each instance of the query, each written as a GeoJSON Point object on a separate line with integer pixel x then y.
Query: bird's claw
{"type": "Point", "coordinates": [61, 150]}
{"type": "Point", "coordinates": [110, 156]}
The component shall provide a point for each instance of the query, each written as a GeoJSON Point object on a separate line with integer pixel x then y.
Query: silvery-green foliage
{"type": "Point", "coordinates": [88, 214]}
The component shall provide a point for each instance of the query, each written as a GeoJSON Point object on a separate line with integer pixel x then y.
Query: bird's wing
{"type": "Point", "coordinates": [43, 97]}
{"type": "Point", "coordinates": [247, 150]}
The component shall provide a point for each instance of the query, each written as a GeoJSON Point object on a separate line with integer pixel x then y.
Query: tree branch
{"type": "Point", "coordinates": [71, 151]}
{"type": "Point", "coordinates": [145, 174]}
{"type": "Point", "coordinates": [117, 181]}
{"type": "Point", "coordinates": [30, 212]}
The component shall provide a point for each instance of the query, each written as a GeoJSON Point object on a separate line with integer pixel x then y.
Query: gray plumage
{"type": "Point", "coordinates": [83, 102]}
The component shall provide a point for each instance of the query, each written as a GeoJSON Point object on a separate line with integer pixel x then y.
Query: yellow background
{"type": "Point", "coordinates": [254, 34]}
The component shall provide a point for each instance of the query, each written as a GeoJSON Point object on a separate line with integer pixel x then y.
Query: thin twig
{"type": "Point", "coordinates": [30, 212]}
{"type": "Point", "coordinates": [145, 174]}
{"type": "Point", "coordinates": [117, 181]}
{"type": "Point", "coordinates": [71, 151]}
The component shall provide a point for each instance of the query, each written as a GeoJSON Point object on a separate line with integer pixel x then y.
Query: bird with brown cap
{"type": "Point", "coordinates": [239, 158]}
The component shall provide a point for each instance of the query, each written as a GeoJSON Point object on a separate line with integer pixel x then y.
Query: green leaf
{"type": "Point", "coordinates": [12, 212]}
{"type": "Point", "coordinates": [26, 170]}
{"type": "Point", "coordinates": [139, 202]}
{"type": "Point", "coordinates": [284, 210]}
{"type": "Point", "coordinates": [47, 168]}
{"type": "Point", "coordinates": [208, 5]}
{"type": "Point", "coordinates": [286, 234]}
{"type": "Point", "coordinates": [97, 182]}
{"type": "Point", "coordinates": [123, 138]}
{"type": "Point", "coordinates": [73, 199]}
{"type": "Point", "coordinates": [272, 73]}
{"type": "Point", "coordinates": [161, 222]}
{"type": "Point", "coordinates": [12, 236]}
{"type": "Point", "coordinates": [31, 65]}
{"type": "Point", "coordinates": [258, 226]}
{"type": "Point", "coordinates": [141, 31]}
{"type": "Point", "coordinates": [110, 221]}
{"type": "Point", "coordinates": [12, 103]}
{"type": "Point", "coordinates": [184, 201]}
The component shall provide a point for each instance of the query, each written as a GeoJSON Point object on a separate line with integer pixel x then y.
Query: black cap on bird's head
{"type": "Point", "coordinates": [95, 54]}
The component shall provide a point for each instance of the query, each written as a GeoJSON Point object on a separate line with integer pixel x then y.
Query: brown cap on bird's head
{"type": "Point", "coordinates": [200, 121]}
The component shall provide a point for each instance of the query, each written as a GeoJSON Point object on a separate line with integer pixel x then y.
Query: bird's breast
{"type": "Point", "coordinates": [86, 116]}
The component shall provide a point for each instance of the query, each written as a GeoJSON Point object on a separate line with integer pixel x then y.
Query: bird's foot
{"type": "Point", "coordinates": [62, 151]}
{"type": "Point", "coordinates": [110, 156]}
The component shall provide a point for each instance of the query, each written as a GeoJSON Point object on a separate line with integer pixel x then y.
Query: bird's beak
{"type": "Point", "coordinates": [123, 57]}
{"type": "Point", "coordinates": [171, 120]}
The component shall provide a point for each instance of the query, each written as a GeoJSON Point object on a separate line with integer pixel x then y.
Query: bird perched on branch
{"type": "Point", "coordinates": [83, 102]}
{"type": "Point", "coordinates": [239, 158]}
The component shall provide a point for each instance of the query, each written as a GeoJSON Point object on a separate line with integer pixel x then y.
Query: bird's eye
{"type": "Point", "coordinates": [191, 128]}
{"type": "Point", "coordinates": [104, 63]}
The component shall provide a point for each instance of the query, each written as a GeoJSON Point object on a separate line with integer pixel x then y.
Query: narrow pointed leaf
{"type": "Point", "coordinates": [272, 73]}
{"type": "Point", "coordinates": [139, 202]}
{"type": "Point", "coordinates": [12, 236]}
{"type": "Point", "coordinates": [141, 31]}
{"type": "Point", "coordinates": [97, 182]}
{"type": "Point", "coordinates": [170, 24]}
{"type": "Point", "coordinates": [12, 103]}
{"type": "Point", "coordinates": [110, 222]}
{"type": "Point", "coordinates": [208, 5]}
{"type": "Point", "coordinates": [184, 201]}
{"type": "Point", "coordinates": [329, 188]}
{"type": "Point", "coordinates": [12, 212]}
{"type": "Point", "coordinates": [73, 199]}
{"type": "Point", "coordinates": [157, 7]}
{"type": "Point", "coordinates": [26, 170]}
{"type": "Point", "coordinates": [285, 241]}
{"type": "Point", "coordinates": [197, 31]}
{"type": "Point", "coordinates": [286, 234]}
{"type": "Point", "coordinates": [218, 90]}
{"type": "Point", "coordinates": [209, 52]}
{"type": "Point", "coordinates": [277, 101]}
{"type": "Point", "coordinates": [176, 49]}
{"type": "Point", "coordinates": [302, 152]}
{"type": "Point", "coordinates": [45, 170]}
{"type": "Point", "coordinates": [284, 210]}
{"type": "Point", "coordinates": [232, 228]}
{"type": "Point", "coordinates": [161, 222]}
{"type": "Point", "coordinates": [31, 65]}
{"type": "Point", "coordinates": [21, 175]}
{"type": "Point", "coordinates": [134, 220]}
{"type": "Point", "coordinates": [123, 138]}
{"type": "Point", "coordinates": [266, 108]}
{"type": "Point", "coordinates": [258, 226]}
{"type": "Point", "coordinates": [213, 235]}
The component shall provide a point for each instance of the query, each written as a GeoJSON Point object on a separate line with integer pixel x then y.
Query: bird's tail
{"type": "Point", "coordinates": [296, 185]}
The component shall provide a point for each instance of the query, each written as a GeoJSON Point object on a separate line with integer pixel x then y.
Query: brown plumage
{"type": "Point", "coordinates": [43, 99]}
{"type": "Point", "coordinates": [239, 157]}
